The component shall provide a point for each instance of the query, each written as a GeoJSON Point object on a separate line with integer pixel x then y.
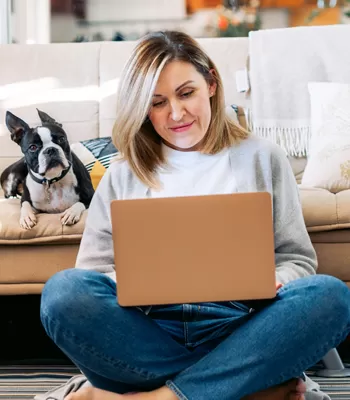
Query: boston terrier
{"type": "Point", "coordinates": [12, 178]}
{"type": "Point", "coordinates": [50, 178]}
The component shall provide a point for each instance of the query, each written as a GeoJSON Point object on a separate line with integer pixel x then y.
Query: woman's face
{"type": "Point", "coordinates": [180, 110]}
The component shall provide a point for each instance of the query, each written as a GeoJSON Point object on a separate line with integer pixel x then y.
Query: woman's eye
{"type": "Point", "coordinates": [33, 147]}
{"type": "Point", "coordinates": [160, 103]}
{"type": "Point", "coordinates": [187, 94]}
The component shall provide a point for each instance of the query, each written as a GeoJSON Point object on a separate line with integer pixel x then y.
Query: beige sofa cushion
{"type": "Point", "coordinates": [25, 268]}
{"type": "Point", "coordinates": [48, 230]}
{"type": "Point", "coordinates": [324, 210]}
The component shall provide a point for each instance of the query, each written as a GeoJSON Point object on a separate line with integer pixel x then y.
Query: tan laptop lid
{"type": "Point", "coordinates": [194, 249]}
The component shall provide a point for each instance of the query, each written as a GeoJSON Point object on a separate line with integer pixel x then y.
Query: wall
{"type": "Point", "coordinates": [118, 10]}
{"type": "Point", "coordinates": [30, 22]}
{"type": "Point", "coordinates": [131, 17]}
{"type": "Point", "coordinates": [5, 15]}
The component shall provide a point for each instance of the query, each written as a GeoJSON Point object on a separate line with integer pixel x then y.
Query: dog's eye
{"type": "Point", "coordinates": [33, 147]}
{"type": "Point", "coordinates": [61, 140]}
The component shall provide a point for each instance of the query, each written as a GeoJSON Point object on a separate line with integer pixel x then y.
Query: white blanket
{"type": "Point", "coordinates": [282, 62]}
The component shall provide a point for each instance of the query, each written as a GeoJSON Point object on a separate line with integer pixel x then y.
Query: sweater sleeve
{"type": "Point", "coordinates": [96, 247]}
{"type": "Point", "coordinates": [295, 256]}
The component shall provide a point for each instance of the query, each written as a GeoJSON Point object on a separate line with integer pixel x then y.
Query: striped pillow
{"type": "Point", "coordinates": [97, 155]}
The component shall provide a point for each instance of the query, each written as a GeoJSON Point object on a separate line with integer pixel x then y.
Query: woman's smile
{"type": "Point", "coordinates": [181, 127]}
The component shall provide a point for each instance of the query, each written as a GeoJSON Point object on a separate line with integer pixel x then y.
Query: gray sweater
{"type": "Point", "coordinates": [257, 165]}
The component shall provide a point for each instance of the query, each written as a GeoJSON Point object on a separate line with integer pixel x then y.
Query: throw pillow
{"type": "Point", "coordinates": [328, 164]}
{"type": "Point", "coordinates": [97, 155]}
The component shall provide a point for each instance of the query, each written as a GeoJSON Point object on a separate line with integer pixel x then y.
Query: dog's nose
{"type": "Point", "coordinates": [51, 151]}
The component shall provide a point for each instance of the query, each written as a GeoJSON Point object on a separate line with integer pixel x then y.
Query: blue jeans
{"type": "Point", "coordinates": [200, 351]}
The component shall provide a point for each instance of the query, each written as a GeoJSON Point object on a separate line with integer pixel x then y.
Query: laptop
{"type": "Point", "coordinates": [194, 249]}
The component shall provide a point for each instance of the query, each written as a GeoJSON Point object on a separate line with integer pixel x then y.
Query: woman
{"type": "Point", "coordinates": [175, 139]}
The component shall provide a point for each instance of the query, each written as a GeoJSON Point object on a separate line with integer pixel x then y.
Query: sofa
{"type": "Point", "coordinates": [76, 84]}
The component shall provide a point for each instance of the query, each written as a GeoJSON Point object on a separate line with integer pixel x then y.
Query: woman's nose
{"type": "Point", "coordinates": [177, 112]}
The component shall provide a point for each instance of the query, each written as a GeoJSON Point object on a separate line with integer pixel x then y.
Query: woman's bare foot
{"type": "Point", "coordinates": [92, 393]}
{"type": "Point", "coordinates": [292, 390]}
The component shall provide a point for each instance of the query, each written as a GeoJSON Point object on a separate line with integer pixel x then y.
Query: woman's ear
{"type": "Point", "coordinates": [212, 85]}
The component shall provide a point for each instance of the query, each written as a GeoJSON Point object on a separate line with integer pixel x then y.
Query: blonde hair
{"type": "Point", "coordinates": [133, 133]}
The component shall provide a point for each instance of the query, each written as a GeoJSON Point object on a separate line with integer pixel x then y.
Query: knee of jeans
{"type": "Point", "coordinates": [333, 297]}
{"type": "Point", "coordinates": [64, 293]}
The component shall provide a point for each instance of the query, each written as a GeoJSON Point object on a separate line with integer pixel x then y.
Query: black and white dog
{"type": "Point", "coordinates": [50, 178]}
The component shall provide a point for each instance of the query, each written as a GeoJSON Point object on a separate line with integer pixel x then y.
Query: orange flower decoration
{"type": "Point", "coordinates": [222, 23]}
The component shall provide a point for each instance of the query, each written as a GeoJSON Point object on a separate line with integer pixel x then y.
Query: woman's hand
{"type": "Point", "coordinates": [278, 286]}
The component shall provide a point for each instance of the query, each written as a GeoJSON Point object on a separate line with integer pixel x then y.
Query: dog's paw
{"type": "Point", "coordinates": [72, 215]}
{"type": "Point", "coordinates": [28, 218]}
{"type": "Point", "coordinates": [28, 221]}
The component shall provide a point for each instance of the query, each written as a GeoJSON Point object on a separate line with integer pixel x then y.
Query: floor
{"type": "Point", "coordinates": [31, 364]}
{"type": "Point", "coordinates": [22, 382]}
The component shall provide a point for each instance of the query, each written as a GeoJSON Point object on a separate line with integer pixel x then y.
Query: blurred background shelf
{"type": "Point", "coordinates": [91, 20]}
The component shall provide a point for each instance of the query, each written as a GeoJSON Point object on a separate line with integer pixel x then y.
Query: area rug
{"type": "Point", "coordinates": [22, 382]}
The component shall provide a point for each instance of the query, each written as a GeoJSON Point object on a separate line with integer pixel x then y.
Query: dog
{"type": "Point", "coordinates": [50, 178]}
{"type": "Point", "coordinates": [12, 177]}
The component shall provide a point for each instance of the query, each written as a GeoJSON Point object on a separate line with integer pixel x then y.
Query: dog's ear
{"type": "Point", "coordinates": [16, 126]}
{"type": "Point", "coordinates": [46, 119]}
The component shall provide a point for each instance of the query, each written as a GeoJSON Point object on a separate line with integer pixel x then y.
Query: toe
{"type": "Point", "coordinates": [296, 396]}
{"type": "Point", "coordinates": [301, 386]}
